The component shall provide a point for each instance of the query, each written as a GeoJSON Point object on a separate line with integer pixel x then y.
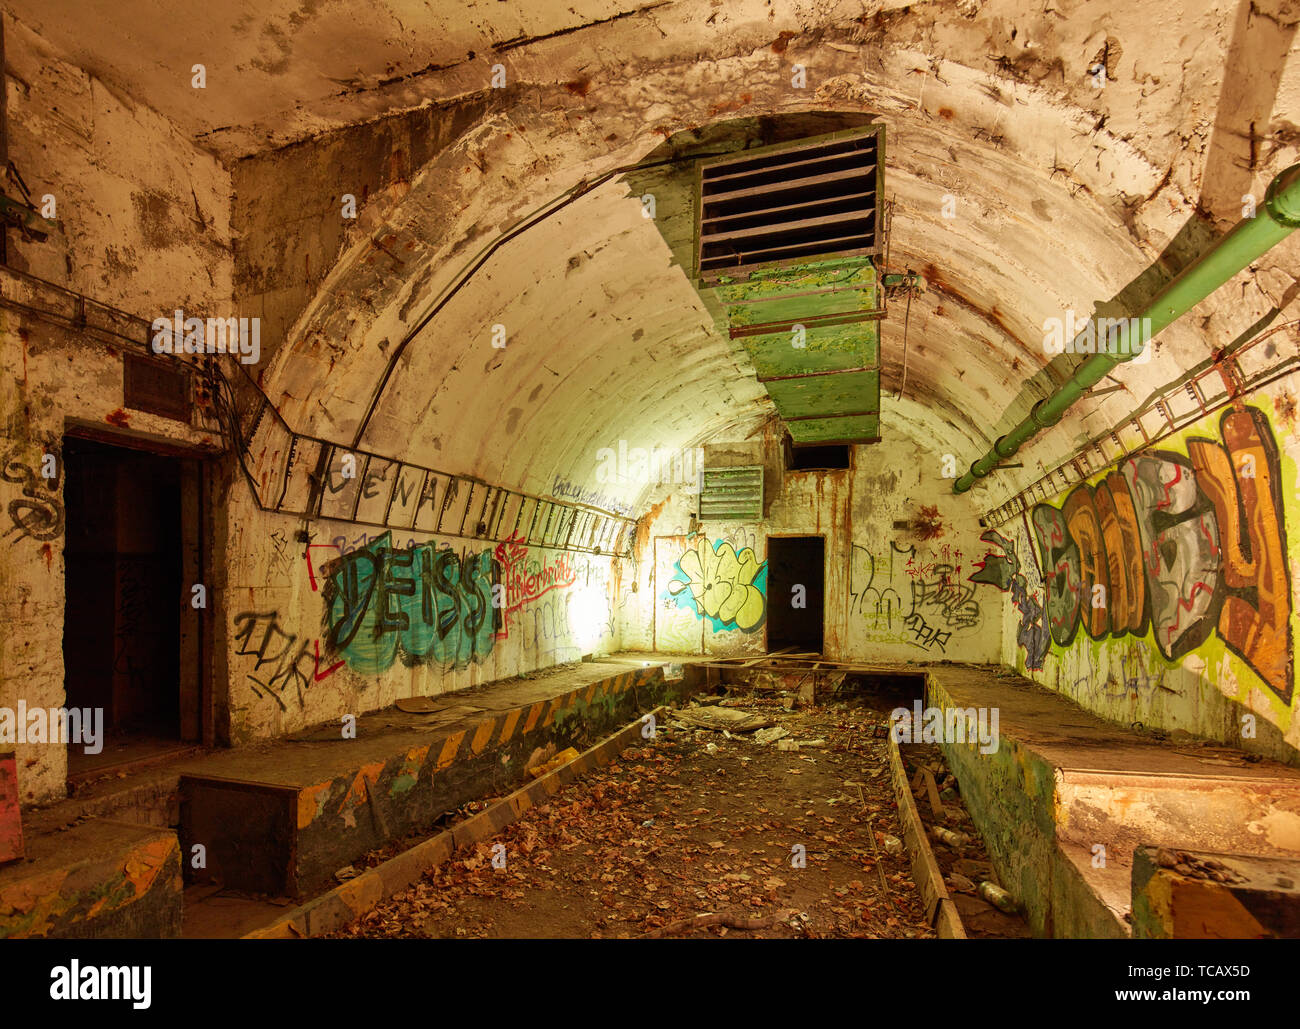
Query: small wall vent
{"type": "Point", "coordinates": [732, 494]}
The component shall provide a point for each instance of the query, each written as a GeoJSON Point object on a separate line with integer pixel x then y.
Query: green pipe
{"type": "Point", "coordinates": [1247, 242]}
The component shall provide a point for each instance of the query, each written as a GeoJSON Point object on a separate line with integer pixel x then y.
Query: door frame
{"type": "Point", "coordinates": [197, 724]}
{"type": "Point", "coordinates": [767, 647]}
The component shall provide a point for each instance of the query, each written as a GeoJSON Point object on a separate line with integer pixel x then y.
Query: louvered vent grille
{"type": "Point", "coordinates": [730, 494]}
{"type": "Point", "coordinates": [779, 206]}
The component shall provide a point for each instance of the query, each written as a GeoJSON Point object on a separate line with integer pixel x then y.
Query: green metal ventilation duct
{"type": "Point", "coordinates": [787, 237]}
{"type": "Point", "coordinates": [1247, 242]}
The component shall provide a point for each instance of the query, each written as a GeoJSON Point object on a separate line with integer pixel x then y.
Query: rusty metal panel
{"type": "Point", "coordinates": [790, 203]}
{"type": "Point", "coordinates": [155, 387]}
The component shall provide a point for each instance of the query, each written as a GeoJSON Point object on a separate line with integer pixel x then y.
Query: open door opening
{"type": "Point", "coordinates": [796, 585]}
{"type": "Point", "coordinates": [127, 630]}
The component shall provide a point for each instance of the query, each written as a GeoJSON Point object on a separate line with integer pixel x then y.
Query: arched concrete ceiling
{"type": "Point", "coordinates": [1064, 194]}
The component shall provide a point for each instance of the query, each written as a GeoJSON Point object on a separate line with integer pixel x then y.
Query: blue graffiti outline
{"type": "Point", "coordinates": [685, 599]}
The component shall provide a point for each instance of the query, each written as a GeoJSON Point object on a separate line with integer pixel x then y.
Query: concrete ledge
{"type": "Point", "coordinates": [100, 879]}
{"type": "Point", "coordinates": [1260, 899]}
{"type": "Point", "coordinates": [292, 818]}
{"type": "Point", "coordinates": [347, 902]}
{"type": "Point", "coordinates": [939, 908]}
{"type": "Point", "coordinates": [1067, 798]}
{"type": "Point", "coordinates": [1011, 796]}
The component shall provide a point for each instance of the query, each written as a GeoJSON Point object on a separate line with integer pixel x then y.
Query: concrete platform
{"type": "Point", "coordinates": [1064, 784]}
{"type": "Point", "coordinates": [99, 879]}
{"type": "Point", "coordinates": [283, 821]}
{"type": "Point", "coordinates": [1204, 896]}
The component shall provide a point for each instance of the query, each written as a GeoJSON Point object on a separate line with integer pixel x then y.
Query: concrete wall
{"type": "Point", "coordinates": [306, 638]}
{"type": "Point", "coordinates": [1194, 545]}
{"type": "Point", "coordinates": [145, 214]}
{"type": "Point", "coordinates": [145, 227]}
{"type": "Point", "coordinates": [289, 240]}
{"type": "Point", "coordinates": [900, 553]}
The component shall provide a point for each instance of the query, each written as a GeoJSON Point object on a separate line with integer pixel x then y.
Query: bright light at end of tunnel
{"type": "Point", "coordinates": [588, 619]}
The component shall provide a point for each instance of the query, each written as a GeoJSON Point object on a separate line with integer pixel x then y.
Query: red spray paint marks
{"type": "Point", "coordinates": [927, 524]}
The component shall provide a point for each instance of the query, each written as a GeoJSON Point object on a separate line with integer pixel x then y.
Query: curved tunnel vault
{"type": "Point", "coordinates": [1023, 195]}
{"type": "Point", "coordinates": [500, 309]}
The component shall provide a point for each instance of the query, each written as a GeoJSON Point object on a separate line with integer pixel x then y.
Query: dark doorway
{"type": "Point", "coordinates": [795, 584]}
{"type": "Point", "coordinates": [122, 611]}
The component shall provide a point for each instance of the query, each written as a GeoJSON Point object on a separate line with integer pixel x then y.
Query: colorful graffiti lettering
{"type": "Point", "coordinates": [526, 578]}
{"type": "Point", "coordinates": [1179, 546]}
{"type": "Point", "coordinates": [427, 604]}
{"type": "Point", "coordinates": [727, 588]}
{"type": "Point", "coordinates": [1003, 572]}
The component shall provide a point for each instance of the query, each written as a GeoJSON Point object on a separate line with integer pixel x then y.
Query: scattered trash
{"type": "Point", "coordinates": [344, 874]}
{"type": "Point", "coordinates": [998, 897]}
{"type": "Point", "coordinates": [777, 732]}
{"type": "Point", "coordinates": [562, 758]}
{"type": "Point", "coordinates": [953, 839]}
{"type": "Point", "coordinates": [712, 748]}
{"type": "Point", "coordinates": [893, 845]}
{"type": "Point", "coordinates": [787, 745]}
{"type": "Point", "coordinates": [724, 718]}
{"type": "Point", "coordinates": [647, 823]}
{"type": "Point", "coordinates": [960, 883]}
{"type": "Point", "coordinates": [1195, 867]}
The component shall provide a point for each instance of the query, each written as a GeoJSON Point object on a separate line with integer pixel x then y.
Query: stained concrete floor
{"type": "Point", "coordinates": [688, 825]}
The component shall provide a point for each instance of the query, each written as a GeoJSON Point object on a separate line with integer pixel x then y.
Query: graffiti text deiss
{"type": "Point", "coordinates": [430, 605]}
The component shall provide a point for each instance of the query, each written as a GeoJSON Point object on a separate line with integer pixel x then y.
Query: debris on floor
{"type": "Point", "coordinates": [697, 833]}
{"type": "Point", "coordinates": [985, 907]}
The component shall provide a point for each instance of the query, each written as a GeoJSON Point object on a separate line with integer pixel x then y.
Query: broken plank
{"type": "Point", "coordinates": [932, 792]}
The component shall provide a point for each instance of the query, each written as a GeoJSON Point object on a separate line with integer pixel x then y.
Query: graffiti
{"type": "Point", "coordinates": [258, 635]}
{"type": "Point", "coordinates": [1003, 572]}
{"type": "Point", "coordinates": [879, 605]}
{"type": "Point", "coordinates": [562, 488]}
{"type": "Point", "coordinates": [525, 579]}
{"type": "Point", "coordinates": [925, 635]}
{"type": "Point", "coordinates": [910, 592]}
{"type": "Point", "coordinates": [344, 546]}
{"type": "Point", "coordinates": [427, 604]}
{"type": "Point", "coordinates": [547, 629]}
{"type": "Point", "coordinates": [1136, 674]}
{"type": "Point", "coordinates": [726, 587]}
{"type": "Point", "coordinates": [1182, 547]}
{"type": "Point", "coordinates": [741, 537]}
{"type": "Point", "coordinates": [926, 524]}
{"type": "Point", "coordinates": [938, 589]}
{"type": "Point", "coordinates": [38, 513]}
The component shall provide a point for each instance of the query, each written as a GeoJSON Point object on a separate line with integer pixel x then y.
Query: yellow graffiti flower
{"type": "Point", "coordinates": [722, 583]}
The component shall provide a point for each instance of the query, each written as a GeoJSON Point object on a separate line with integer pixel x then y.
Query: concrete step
{"type": "Point", "coordinates": [1063, 781]}
{"type": "Point", "coordinates": [283, 820]}
{"type": "Point", "coordinates": [1229, 814]}
{"type": "Point", "coordinates": [1208, 896]}
{"type": "Point", "coordinates": [1109, 885]}
{"type": "Point", "coordinates": [98, 879]}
